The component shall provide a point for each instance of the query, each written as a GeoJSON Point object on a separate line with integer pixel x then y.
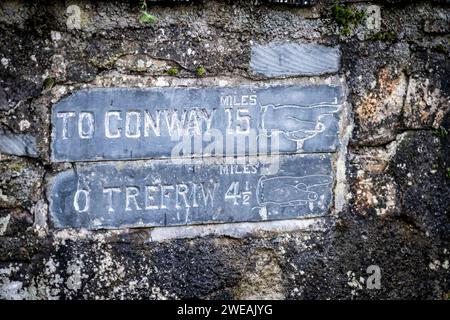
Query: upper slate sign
{"type": "Point", "coordinates": [124, 123]}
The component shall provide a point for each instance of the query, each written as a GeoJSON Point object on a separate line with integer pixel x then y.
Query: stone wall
{"type": "Point", "coordinates": [390, 215]}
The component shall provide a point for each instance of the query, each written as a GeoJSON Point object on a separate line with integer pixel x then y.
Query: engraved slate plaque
{"type": "Point", "coordinates": [163, 193]}
{"type": "Point", "coordinates": [124, 123]}
{"type": "Point", "coordinates": [289, 59]}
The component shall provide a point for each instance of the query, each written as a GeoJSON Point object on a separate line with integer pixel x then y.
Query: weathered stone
{"type": "Point", "coordinates": [299, 3]}
{"type": "Point", "coordinates": [438, 23]}
{"type": "Point", "coordinates": [20, 182]}
{"type": "Point", "coordinates": [141, 63]}
{"type": "Point", "coordinates": [267, 270]}
{"type": "Point", "coordinates": [289, 59]}
{"type": "Point", "coordinates": [138, 194]}
{"type": "Point", "coordinates": [14, 221]}
{"type": "Point", "coordinates": [24, 60]}
{"type": "Point", "coordinates": [425, 105]}
{"type": "Point", "coordinates": [421, 169]}
{"type": "Point", "coordinates": [3, 100]}
{"type": "Point", "coordinates": [104, 124]}
{"type": "Point", "coordinates": [375, 194]}
{"type": "Point", "coordinates": [373, 18]}
{"type": "Point", "coordinates": [378, 113]}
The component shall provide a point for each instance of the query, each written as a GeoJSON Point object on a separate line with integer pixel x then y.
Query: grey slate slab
{"type": "Point", "coordinates": [290, 59]}
{"type": "Point", "coordinates": [125, 123]}
{"type": "Point", "coordinates": [17, 144]}
{"type": "Point", "coordinates": [163, 193]}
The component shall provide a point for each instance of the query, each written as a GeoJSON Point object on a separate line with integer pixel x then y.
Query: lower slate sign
{"type": "Point", "coordinates": [163, 193]}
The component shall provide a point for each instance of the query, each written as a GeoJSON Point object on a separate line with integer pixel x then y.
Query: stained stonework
{"type": "Point", "coordinates": [390, 180]}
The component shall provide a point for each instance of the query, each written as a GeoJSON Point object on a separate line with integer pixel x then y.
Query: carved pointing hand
{"type": "Point", "coordinates": [296, 123]}
{"type": "Point", "coordinates": [291, 191]}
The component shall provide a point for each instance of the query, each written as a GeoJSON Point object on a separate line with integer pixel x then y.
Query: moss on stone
{"type": "Point", "coordinates": [387, 36]}
{"type": "Point", "coordinates": [17, 166]}
{"type": "Point", "coordinates": [172, 71]}
{"type": "Point", "coordinates": [48, 83]}
{"type": "Point", "coordinates": [441, 132]}
{"type": "Point", "coordinates": [200, 71]}
{"type": "Point", "coordinates": [440, 48]}
{"type": "Point", "coordinates": [347, 18]}
{"type": "Point", "coordinates": [147, 17]}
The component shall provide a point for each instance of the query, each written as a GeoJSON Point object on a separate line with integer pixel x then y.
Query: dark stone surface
{"type": "Point", "coordinates": [20, 77]}
{"type": "Point", "coordinates": [421, 173]}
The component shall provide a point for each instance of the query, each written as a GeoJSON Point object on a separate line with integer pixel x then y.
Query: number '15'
{"type": "Point", "coordinates": [240, 117]}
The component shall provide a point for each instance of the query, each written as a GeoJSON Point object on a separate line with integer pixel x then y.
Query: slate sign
{"type": "Point", "coordinates": [162, 193]}
{"type": "Point", "coordinates": [290, 59]}
{"type": "Point", "coordinates": [125, 124]}
{"type": "Point", "coordinates": [193, 155]}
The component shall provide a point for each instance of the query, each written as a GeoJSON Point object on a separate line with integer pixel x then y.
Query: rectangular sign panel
{"type": "Point", "coordinates": [294, 59]}
{"type": "Point", "coordinates": [165, 193]}
{"type": "Point", "coordinates": [125, 123]}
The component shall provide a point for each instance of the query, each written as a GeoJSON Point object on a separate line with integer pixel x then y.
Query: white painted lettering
{"type": "Point", "coordinates": [132, 128]}
{"type": "Point", "coordinates": [76, 200]}
{"type": "Point", "coordinates": [130, 197]}
{"type": "Point", "coordinates": [149, 199]}
{"type": "Point", "coordinates": [150, 123]}
{"type": "Point", "coordinates": [110, 192]}
{"type": "Point", "coordinates": [108, 131]}
{"type": "Point", "coordinates": [65, 125]}
{"type": "Point", "coordinates": [86, 119]}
